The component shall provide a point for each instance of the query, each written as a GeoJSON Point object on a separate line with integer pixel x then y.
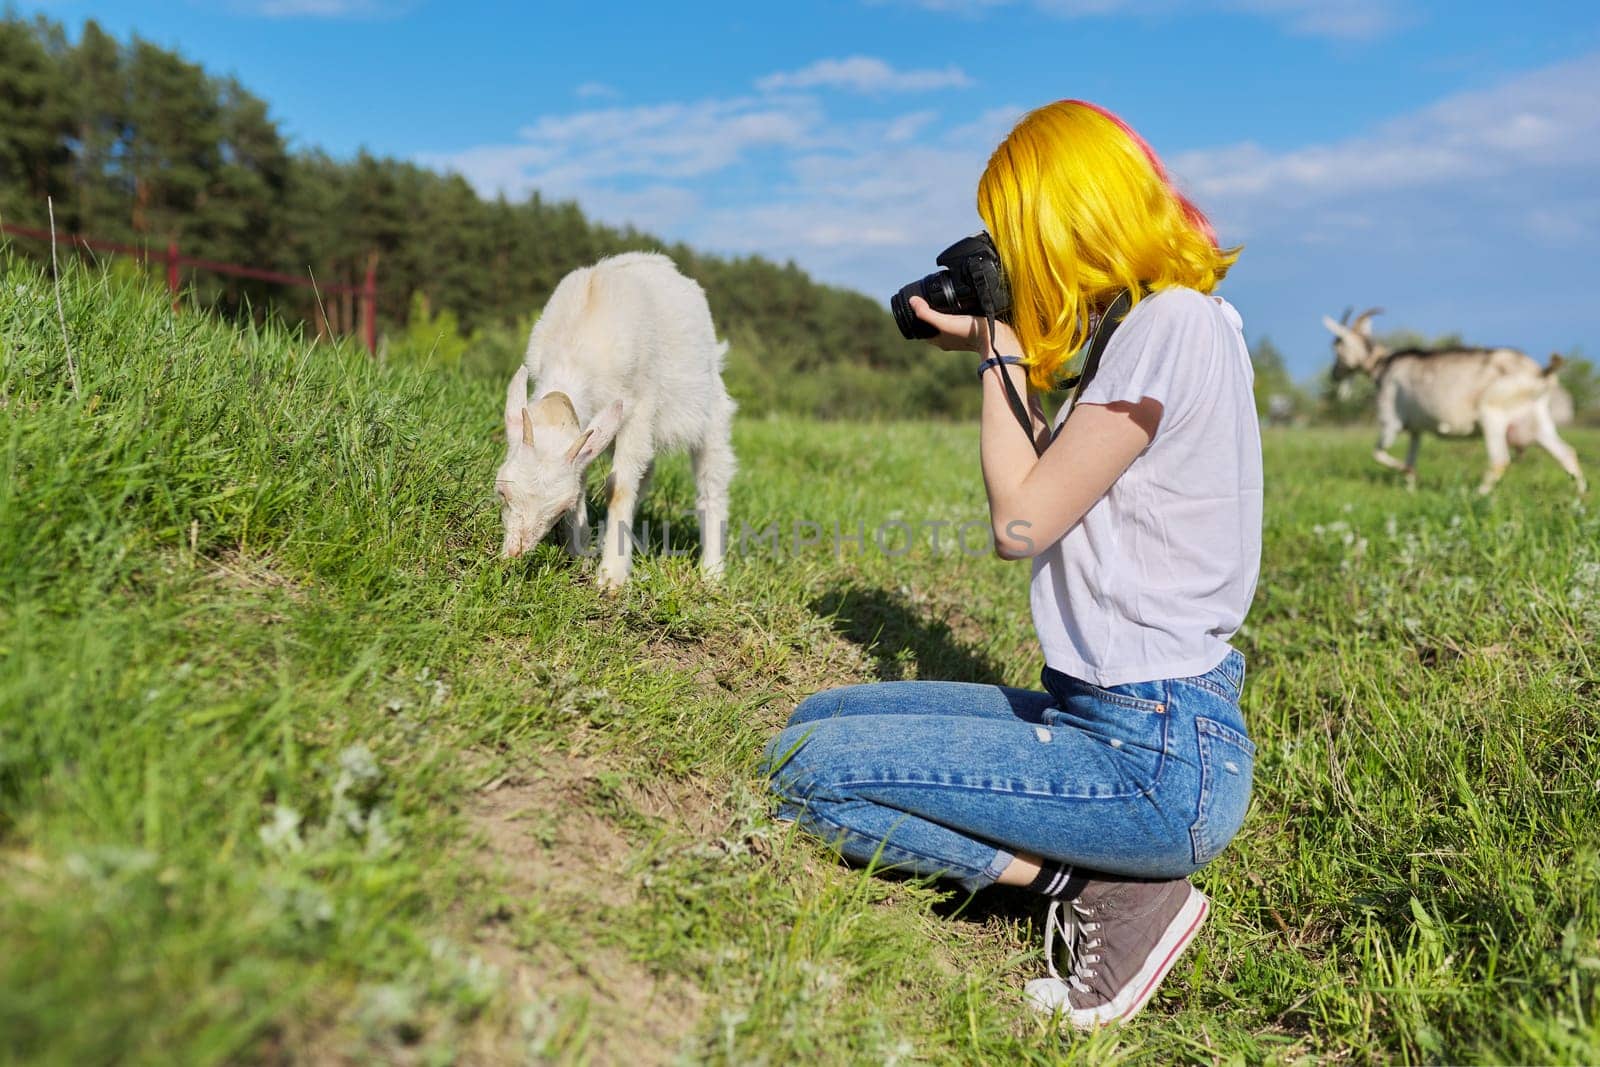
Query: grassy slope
{"type": "Point", "coordinates": [292, 769]}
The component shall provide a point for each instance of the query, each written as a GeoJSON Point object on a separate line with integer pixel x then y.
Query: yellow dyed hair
{"type": "Point", "coordinates": [1080, 209]}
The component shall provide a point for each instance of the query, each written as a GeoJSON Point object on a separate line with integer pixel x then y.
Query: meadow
{"type": "Point", "coordinates": [294, 770]}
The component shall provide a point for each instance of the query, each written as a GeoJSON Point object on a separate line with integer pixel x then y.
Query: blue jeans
{"type": "Point", "coordinates": [1149, 779]}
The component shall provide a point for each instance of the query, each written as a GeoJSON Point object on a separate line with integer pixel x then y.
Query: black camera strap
{"type": "Point", "coordinates": [1019, 409]}
{"type": "Point", "coordinates": [1109, 321]}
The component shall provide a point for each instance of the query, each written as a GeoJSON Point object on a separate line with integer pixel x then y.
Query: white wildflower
{"type": "Point", "coordinates": [378, 837]}
{"type": "Point", "coordinates": [282, 834]}
{"type": "Point", "coordinates": [902, 1052]}
{"type": "Point", "coordinates": [357, 763]}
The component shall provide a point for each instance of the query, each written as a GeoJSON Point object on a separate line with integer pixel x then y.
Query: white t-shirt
{"type": "Point", "coordinates": [1159, 573]}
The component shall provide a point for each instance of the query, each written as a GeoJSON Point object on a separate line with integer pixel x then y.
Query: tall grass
{"type": "Point", "coordinates": [291, 768]}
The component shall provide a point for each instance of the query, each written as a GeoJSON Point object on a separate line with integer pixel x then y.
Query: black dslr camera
{"type": "Point", "coordinates": [971, 283]}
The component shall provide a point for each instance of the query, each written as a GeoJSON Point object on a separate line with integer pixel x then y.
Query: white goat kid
{"type": "Point", "coordinates": [624, 350]}
{"type": "Point", "coordinates": [1454, 392]}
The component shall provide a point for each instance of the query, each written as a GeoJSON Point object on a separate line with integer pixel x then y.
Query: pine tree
{"type": "Point", "coordinates": [99, 103]}
{"type": "Point", "coordinates": [34, 120]}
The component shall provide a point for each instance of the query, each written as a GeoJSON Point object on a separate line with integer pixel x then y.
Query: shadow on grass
{"type": "Point", "coordinates": [893, 631]}
{"type": "Point", "coordinates": [1005, 903]}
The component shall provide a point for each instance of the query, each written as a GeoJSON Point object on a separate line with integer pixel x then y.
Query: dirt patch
{"type": "Point", "coordinates": [563, 871]}
{"type": "Point", "coordinates": [690, 657]}
{"type": "Point", "coordinates": [541, 835]}
{"type": "Point", "coordinates": [239, 570]}
{"type": "Point", "coordinates": [785, 660]}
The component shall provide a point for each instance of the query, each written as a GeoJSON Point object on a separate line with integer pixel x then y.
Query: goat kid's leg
{"type": "Point", "coordinates": [1548, 439]}
{"type": "Point", "coordinates": [714, 465]}
{"type": "Point", "coordinates": [1387, 432]}
{"type": "Point", "coordinates": [629, 463]}
{"type": "Point", "coordinates": [647, 478]}
{"type": "Point", "coordinates": [1411, 459]}
{"type": "Point", "coordinates": [1494, 426]}
{"type": "Point", "coordinates": [578, 528]}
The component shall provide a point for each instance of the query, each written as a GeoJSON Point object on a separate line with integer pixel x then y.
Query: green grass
{"type": "Point", "coordinates": [293, 769]}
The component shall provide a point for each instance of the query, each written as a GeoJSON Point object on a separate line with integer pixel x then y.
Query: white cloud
{"type": "Point", "coordinates": [667, 208]}
{"type": "Point", "coordinates": [323, 9]}
{"type": "Point", "coordinates": [1340, 19]}
{"type": "Point", "coordinates": [1538, 123]}
{"type": "Point", "coordinates": [864, 74]}
{"type": "Point", "coordinates": [862, 210]}
{"type": "Point", "coordinates": [1345, 19]}
{"type": "Point", "coordinates": [857, 202]}
{"type": "Point", "coordinates": [1475, 214]}
{"type": "Point", "coordinates": [956, 7]}
{"type": "Point", "coordinates": [907, 127]}
{"type": "Point", "coordinates": [670, 140]}
{"type": "Point", "coordinates": [586, 153]}
{"type": "Point", "coordinates": [495, 169]}
{"type": "Point", "coordinates": [1091, 8]}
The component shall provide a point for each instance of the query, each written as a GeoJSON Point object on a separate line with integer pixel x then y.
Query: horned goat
{"type": "Point", "coordinates": [1453, 392]}
{"type": "Point", "coordinates": [624, 350]}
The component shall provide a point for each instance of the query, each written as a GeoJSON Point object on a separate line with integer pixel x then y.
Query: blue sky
{"type": "Point", "coordinates": [1439, 159]}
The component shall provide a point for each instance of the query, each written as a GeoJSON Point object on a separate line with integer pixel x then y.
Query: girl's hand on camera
{"type": "Point", "coordinates": [957, 333]}
{"type": "Point", "coordinates": [965, 333]}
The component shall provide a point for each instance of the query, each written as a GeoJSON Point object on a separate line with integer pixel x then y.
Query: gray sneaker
{"type": "Point", "coordinates": [1122, 938]}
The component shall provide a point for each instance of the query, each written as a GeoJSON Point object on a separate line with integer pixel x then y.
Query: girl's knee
{"type": "Point", "coordinates": [793, 770]}
{"type": "Point", "coordinates": [823, 705]}
{"type": "Point", "coordinates": [772, 757]}
{"type": "Point", "coordinates": [780, 762]}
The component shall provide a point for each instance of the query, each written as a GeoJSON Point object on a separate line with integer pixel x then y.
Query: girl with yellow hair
{"type": "Point", "coordinates": [1141, 511]}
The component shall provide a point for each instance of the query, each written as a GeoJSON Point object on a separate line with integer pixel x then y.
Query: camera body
{"type": "Point", "coordinates": [971, 283]}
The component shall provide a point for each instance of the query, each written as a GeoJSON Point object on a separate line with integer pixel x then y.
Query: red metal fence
{"type": "Point", "coordinates": [175, 262]}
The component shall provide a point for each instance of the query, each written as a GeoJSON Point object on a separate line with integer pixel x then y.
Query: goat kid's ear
{"type": "Point", "coordinates": [1337, 329]}
{"type": "Point", "coordinates": [516, 404]}
{"type": "Point", "coordinates": [597, 436]}
{"type": "Point", "coordinates": [527, 427]}
{"type": "Point", "coordinates": [555, 411]}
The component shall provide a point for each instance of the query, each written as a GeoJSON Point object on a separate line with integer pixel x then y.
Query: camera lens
{"type": "Point", "coordinates": [911, 327]}
{"type": "Point", "coordinates": [938, 289]}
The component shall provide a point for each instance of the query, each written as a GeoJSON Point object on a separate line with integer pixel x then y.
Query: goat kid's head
{"type": "Point", "coordinates": [1353, 347]}
{"type": "Point", "coordinates": [546, 455]}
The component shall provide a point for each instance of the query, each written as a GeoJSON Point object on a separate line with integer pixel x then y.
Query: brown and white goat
{"type": "Point", "coordinates": [1453, 392]}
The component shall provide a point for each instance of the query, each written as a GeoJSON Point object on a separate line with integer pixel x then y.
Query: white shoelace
{"type": "Point", "coordinates": [1073, 931]}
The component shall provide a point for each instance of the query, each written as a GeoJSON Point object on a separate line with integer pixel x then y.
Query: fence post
{"type": "Point", "coordinates": [369, 304]}
{"type": "Point", "coordinates": [172, 272]}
